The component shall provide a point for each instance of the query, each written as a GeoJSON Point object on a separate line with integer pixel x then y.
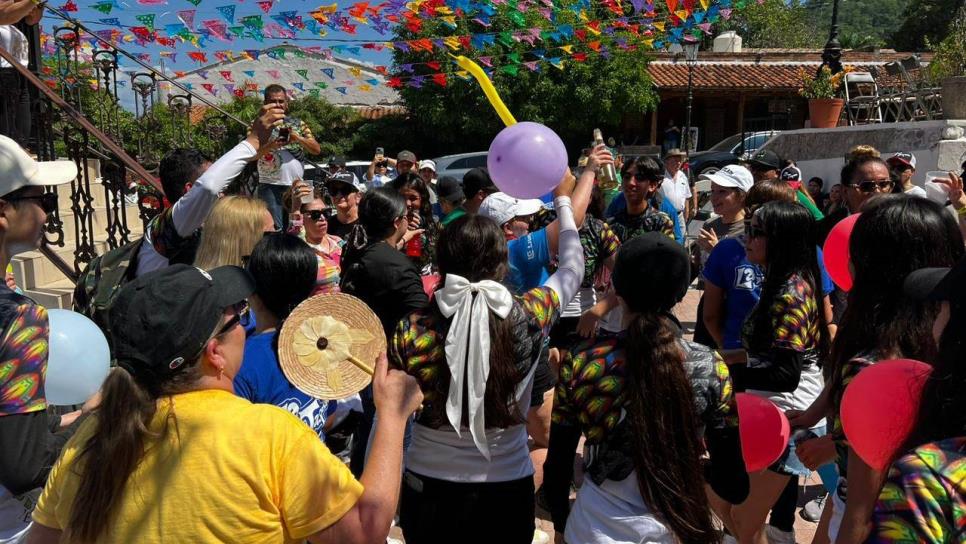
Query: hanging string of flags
{"type": "Point", "coordinates": [574, 38]}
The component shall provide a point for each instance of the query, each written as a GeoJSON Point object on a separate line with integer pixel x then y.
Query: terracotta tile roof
{"type": "Point", "coordinates": [760, 69]}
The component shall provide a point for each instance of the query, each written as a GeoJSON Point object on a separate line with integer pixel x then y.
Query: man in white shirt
{"type": "Point", "coordinates": [903, 167]}
{"type": "Point", "coordinates": [279, 167]}
{"type": "Point", "coordinates": [676, 188]}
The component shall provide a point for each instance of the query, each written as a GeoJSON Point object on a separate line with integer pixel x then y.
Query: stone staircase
{"type": "Point", "coordinates": [38, 277]}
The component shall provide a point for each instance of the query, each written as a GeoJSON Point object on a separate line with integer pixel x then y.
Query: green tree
{"type": "Point", "coordinates": [950, 59]}
{"type": "Point", "coordinates": [457, 117]}
{"type": "Point", "coordinates": [925, 23]}
{"type": "Point", "coordinates": [775, 24]}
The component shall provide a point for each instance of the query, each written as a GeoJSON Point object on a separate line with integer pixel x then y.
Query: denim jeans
{"type": "Point", "coordinates": [272, 196]}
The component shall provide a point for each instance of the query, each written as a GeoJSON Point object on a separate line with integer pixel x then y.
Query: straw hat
{"type": "Point", "coordinates": [328, 345]}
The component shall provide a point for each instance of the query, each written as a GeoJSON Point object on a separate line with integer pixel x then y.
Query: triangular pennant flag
{"type": "Point", "coordinates": [273, 73]}
{"type": "Point", "coordinates": [228, 12]}
{"type": "Point", "coordinates": [195, 2]}
{"type": "Point", "coordinates": [682, 14]}
{"type": "Point", "coordinates": [705, 4]}
{"type": "Point", "coordinates": [321, 84]}
{"type": "Point", "coordinates": [146, 20]}
{"type": "Point", "coordinates": [227, 75]}
{"type": "Point", "coordinates": [487, 61]}
{"type": "Point", "coordinates": [265, 6]}
{"type": "Point", "coordinates": [113, 21]}
{"type": "Point", "coordinates": [203, 74]}
{"type": "Point", "coordinates": [104, 7]}
{"type": "Point", "coordinates": [330, 72]}
{"type": "Point", "coordinates": [439, 79]}
{"type": "Point", "coordinates": [672, 5]}
{"type": "Point", "coordinates": [230, 87]}
{"type": "Point", "coordinates": [433, 65]}
{"type": "Point", "coordinates": [531, 65]}
{"type": "Point", "coordinates": [341, 90]}
{"type": "Point", "coordinates": [303, 73]}
{"type": "Point", "coordinates": [209, 87]}
{"type": "Point", "coordinates": [187, 16]}
{"type": "Point", "coordinates": [556, 62]}
{"type": "Point", "coordinates": [314, 92]}
{"type": "Point", "coordinates": [299, 85]}
{"type": "Point", "coordinates": [511, 69]}
{"type": "Point", "coordinates": [249, 73]}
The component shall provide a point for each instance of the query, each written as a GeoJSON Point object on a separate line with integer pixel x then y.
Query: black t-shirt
{"type": "Point", "coordinates": [340, 229]}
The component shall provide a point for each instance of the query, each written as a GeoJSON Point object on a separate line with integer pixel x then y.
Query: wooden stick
{"type": "Point", "coordinates": [362, 366]}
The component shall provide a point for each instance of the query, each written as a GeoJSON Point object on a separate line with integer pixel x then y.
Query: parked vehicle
{"type": "Point", "coordinates": [725, 152]}
{"type": "Point", "coordinates": [458, 165]}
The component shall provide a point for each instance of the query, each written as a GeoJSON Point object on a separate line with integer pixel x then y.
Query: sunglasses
{"type": "Point", "coordinates": [871, 186]}
{"type": "Point", "coordinates": [46, 201]}
{"type": "Point", "coordinates": [340, 193]}
{"type": "Point", "coordinates": [316, 215]}
{"type": "Point", "coordinates": [754, 231]}
{"type": "Point", "coordinates": [240, 310]}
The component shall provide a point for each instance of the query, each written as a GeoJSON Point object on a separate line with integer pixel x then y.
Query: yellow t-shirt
{"type": "Point", "coordinates": [240, 472]}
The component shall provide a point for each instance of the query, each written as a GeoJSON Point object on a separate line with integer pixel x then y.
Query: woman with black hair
{"type": "Point", "coordinates": [924, 496]}
{"type": "Point", "coordinates": [785, 338]}
{"type": "Point", "coordinates": [421, 248]}
{"type": "Point", "coordinates": [895, 235]}
{"type": "Point", "coordinates": [474, 351]}
{"type": "Point", "coordinates": [374, 270]}
{"type": "Point", "coordinates": [644, 399]}
{"type": "Point", "coordinates": [284, 269]}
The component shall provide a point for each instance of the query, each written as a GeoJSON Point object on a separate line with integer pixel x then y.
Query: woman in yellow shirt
{"type": "Point", "coordinates": [173, 455]}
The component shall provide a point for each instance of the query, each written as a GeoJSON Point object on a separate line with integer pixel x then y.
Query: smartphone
{"type": "Point", "coordinates": [284, 133]}
{"type": "Point", "coordinates": [379, 151]}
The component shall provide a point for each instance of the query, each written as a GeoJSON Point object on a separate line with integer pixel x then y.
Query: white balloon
{"type": "Point", "coordinates": [78, 358]}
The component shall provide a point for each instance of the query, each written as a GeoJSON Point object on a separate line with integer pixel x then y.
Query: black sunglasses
{"type": "Point", "coordinates": [240, 310]}
{"type": "Point", "coordinates": [871, 186]}
{"type": "Point", "coordinates": [46, 201]}
{"type": "Point", "coordinates": [754, 231]}
{"type": "Point", "coordinates": [315, 215]}
{"type": "Point", "coordinates": [640, 178]}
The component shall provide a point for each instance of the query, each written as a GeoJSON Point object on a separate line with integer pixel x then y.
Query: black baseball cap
{"type": "Point", "coordinates": [652, 273]}
{"type": "Point", "coordinates": [347, 180]}
{"type": "Point", "coordinates": [938, 284]}
{"type": "Point", "coordinates": [338, 161]}
{"type": "Point", "coordinates": [476, 180]}
{"type": "Point", "coordinates": [162, 320]}
{"type": "Point", "coordinates": [448, 189]}
{"type": "Point", "coordinates": [766, 159]}
{"type": "Point", "coordinates": [407, 156]}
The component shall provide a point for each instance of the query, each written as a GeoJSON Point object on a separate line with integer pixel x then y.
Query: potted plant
{"type": "Point", "coordinates": [822, 91]}
{"type": "Point", "coordinates": [948, 66]}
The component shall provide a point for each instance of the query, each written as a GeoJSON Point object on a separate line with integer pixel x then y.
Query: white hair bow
{"type": "Point", "coordinates": [468, 347]}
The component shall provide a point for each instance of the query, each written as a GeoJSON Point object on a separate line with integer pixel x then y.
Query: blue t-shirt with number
{"type": "Point", "coordinates": [529, 258]}
{"type": "Point", "coordinates": [729, 269]}
{"type": "Point", "coordinates": [260, 380]}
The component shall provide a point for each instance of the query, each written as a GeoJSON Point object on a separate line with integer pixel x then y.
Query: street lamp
{"type": "Point", "coordinates": [832, 54]}
{"type": "Point", "coordinates": [691, 57]}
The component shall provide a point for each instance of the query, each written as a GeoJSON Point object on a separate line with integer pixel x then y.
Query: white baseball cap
{"type": "Point", "coordinates": [732, 175]}
{"type": "Point", "coordinates": [18, 169]}
{"type": "Point", "coordinates": [904, 158]}
{"type": "Point", "coordinates": [427, 164]}
{"type": "Point", "coordinates": [502, 207]}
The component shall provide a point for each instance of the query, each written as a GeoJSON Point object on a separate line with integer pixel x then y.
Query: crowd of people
{"type": "Point", "coordinates": [515, 329]}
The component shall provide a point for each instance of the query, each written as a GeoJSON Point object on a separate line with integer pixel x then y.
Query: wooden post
{"type": "Point", "coordinates": [654, 127]}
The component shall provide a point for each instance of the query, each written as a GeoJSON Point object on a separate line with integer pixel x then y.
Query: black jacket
{"type": "Point", "coordinates": [385, 280]}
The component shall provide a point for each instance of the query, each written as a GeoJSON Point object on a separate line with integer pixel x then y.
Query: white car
{"type": "Point", "coordinates": [458, 165]}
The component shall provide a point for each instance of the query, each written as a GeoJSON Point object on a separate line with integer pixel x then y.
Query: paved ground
{"type": "Point", "coordinates": [685, 312]}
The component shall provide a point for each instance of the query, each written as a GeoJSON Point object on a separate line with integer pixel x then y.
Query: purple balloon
{"type": "Point", "coordinates": [527, 160]}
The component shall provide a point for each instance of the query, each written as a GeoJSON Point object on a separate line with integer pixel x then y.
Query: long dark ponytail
{"type": "Point", "coordinates": [661, 414]}
{"type": "Point", "coordinates": [378, 211]}
{"type": "Point", "coordinates": [475, 248]}
{"type": "Point", "coordinates": [116, 446]}
{"type": "Point", "coordinates": [790, 250]}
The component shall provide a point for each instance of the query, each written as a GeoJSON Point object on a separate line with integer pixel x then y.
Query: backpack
{"type": "Point", "coordinates": [100, 281]}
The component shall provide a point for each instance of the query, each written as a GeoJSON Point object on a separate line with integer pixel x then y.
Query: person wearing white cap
{"type": "Point", "coordinates": [427, 171]}
{"type": "Point", "coordinates": [24, 419]}
{"type": "Point", "coordinates": [728, 189]}
{"type": "Point", "coordinates": [903, 167]}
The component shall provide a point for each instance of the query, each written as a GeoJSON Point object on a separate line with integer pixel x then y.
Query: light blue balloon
{"type": "Point", "coordinates": [78, 358]}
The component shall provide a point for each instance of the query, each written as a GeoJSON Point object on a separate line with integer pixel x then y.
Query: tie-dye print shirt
{"type": "Point", "coordinates": [23, 354]}
{"type": "Point", "coordinates": [420, 338]}
{"type": "Point", "coordinates": [591, 393]}
{"type": "Point", "coordinates": [924, 497]}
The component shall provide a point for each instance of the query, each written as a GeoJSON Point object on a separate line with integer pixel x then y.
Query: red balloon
{"type": "Point", "coordinates": [879, 408]}
{"type": "Point", "coordinates": [764, 431]}
{"type": "Point", "coordinates": [836, 252]}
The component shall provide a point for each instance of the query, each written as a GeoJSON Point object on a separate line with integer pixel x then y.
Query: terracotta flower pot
{"type": "Point", "coordinates": [825, 112]}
